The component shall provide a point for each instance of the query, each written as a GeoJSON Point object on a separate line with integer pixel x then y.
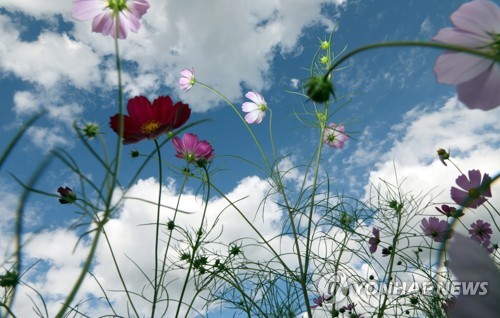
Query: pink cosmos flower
{"type": "Point", "coordinates": [187, 80]}
{"type": "Point", "coordinates": [319, 301]}
{"type": "Point", "coordinates": [481, 231]}
{"type": "Point", "coordinates": [450, 211]}
{"type": "Point", "coordinates": [435, 228]}
{"type": "Point", "coordinates": [334, 136]}
{"type": "Point", "coordinates": [374, 240]}
{"type": "Point", "coordinates": [256, 109]}
{"type": "Point", "coordinates": [192, 150]}
{"type": "Point", "coordinates": [106, 13]}
{"type": "Point", "coordinates": [477, 26]}
{"type": "Point", "coordinates": [474, 190]}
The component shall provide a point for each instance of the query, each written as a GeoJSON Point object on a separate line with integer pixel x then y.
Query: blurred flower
{"type": "Point", "coordinates": [67, 195]}
{"type": "Point", "coordinates": [435, 228]}
{"type": "Point", "coordinates": [187, 80]}
{"type": "Point", "coordinates": [150, 121]}
{"type": "Point", "coordinates": [106, 13]}
{"type": "Point", "coordinates": [477, 26]}
{"type": "Point", "coordinates": [386, 252]}
{"type": "Point", "coordinates": [374, 240]}
{"type": "Point", "coordinates": [475, 189]}
{"type": "Point", "coordinates": [487, 245]}
{"type": "Point", "coordinates": [443, 155]}
{"type": "Point", "coordinates": [9, 279]}
{"type": "Point", "coordinates": [473, 265]}
{"type": "Point", "coordinates": [319, 88]}
{"type": "Point", "coordinates": [90, 130]}
{"type": "Point", "coordinates": [349, 307]}
{"type": "Point", "coordinates": [192, 150]}
{"type": "Point", "coordinates": [324, 59]}
{"type": "Point", "coordinates": [256, 110]}
{"type": "Point", "coordinates": [334, 136]}
{"type": "Point", "coordinates": [450, 211]}
{"type": "Point", "coordinates": [319, 301]}
{"type": "Point", "coordinates": [481, 231]}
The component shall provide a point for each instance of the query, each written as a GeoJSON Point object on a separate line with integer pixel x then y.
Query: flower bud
{"type": "Point", "coordinates": [319, 88]}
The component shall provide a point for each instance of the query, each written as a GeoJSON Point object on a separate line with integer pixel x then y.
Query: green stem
{"type": "Point", "coordinates": [436, 45]}
{"type": "Point", "coordinates": [242, 119]}
{"type": "Point", "coordinates": [196, 245]}
{"type": "Point", "coordinates": [162, 274]}
{"type": "Point", "coordinates": [114, 178]}
{"type": "Point", "coordinates": [157, 236]}
{"type": "Point", "coordinates": [391, 263]}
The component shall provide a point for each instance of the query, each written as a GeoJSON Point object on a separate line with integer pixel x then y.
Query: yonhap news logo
{"type": "Point", "coordinates": [336, 287]}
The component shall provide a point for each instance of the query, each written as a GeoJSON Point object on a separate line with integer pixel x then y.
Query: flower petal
{"type": "Point", "coordinates": [477, 17]}
{"type": "Point", "coordinates": [87, 9]}
{"type": "Point", "coordinates": [471, 263]}
{"type": "Point", "coordinates": [249, 107]}
{"type": "Point", "coordinates": [456, 68]}
{"type": "Point", "coordinates": [256, 98]}
{"type": "Point", "coordinates": [483, 91]}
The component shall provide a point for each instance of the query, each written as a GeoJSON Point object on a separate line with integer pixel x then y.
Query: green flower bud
{"type": "Point", "coordinates": [319, 89]}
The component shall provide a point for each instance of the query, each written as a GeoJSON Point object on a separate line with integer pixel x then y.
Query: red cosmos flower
{"type": "Point", "coordinates": [150, 121]}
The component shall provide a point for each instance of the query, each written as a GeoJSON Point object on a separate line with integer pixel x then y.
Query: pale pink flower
{"type": "Point", "coordinates": [256, 109]}
{"type": "Point", "coordinates": [106, 13]}
{"type": "Point", "coordinates": [334, 136]}
{"type": "Point", "coordinates": [187, 80]}
{"type": "Point", "coordinates": [481, 231]}
{"type": "Point", "coordinates": [435, 228]}
{"type": "Point", "coordinates": [471, 263]}
{"type": "Point", "coordinates": [477, 26]}
{"type": "Point", "coordinates": [474, 191]}
{"type": "Point", "coordinates": [192, 150]}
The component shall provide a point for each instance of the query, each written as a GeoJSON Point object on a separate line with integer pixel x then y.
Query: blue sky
{"type": "Point", "coordinates": [398, 116]}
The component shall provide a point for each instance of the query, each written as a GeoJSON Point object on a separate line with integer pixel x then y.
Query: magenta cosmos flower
{"type": "Point", "coordinates": [105, 14]}
{"type": "Point", "coordinates": [256, 109]}
{"type": "Point", "coordinates": [474, 190]}
{"type": "Point", "coordinates": [477, 26]}
{"type": "Point", "coordinates": [187, 80]}
{"type": "Point", "coordinates": [148, 120]}
{"type": "Point", "coordinates": [481, 231]}
{"type": "Point", "coordinates": [374, 240]}
{"type": "Point", "coordinates": [435, 228]}
{"type": "Point", "coordinates": [192, 150]}
{"type": "Point", "coordinates": [334, 136]}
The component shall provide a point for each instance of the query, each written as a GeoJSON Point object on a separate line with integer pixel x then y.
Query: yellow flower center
{"type": "Point", "coordinates": [150, 126]}
{"type": "Point", "coordinates": [474, 193]}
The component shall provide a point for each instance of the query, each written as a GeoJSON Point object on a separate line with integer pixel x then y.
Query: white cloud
{"type": "Point", "coordinates": [38, 9]}
{"type": "Point", "coordinates": [50, 59]}
{"type": "Point", "coordinates": [47, 138]}
{"type": "Point", "coordinates": [229, 46]}
{"type": "Point", "coordinates": [426, 27]}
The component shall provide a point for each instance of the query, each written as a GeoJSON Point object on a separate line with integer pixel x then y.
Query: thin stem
{"type": "Point", "coordinates": [157, 236]}
{"type": "Point", "coordinates": [119, 272]}
{"type": "Point", "coordinates": [242, 119]}
{"type": "Point", "coordinates": [391, 262]}
{"type": "Point", "coordinates": [196, 245]}
{"type": "Point", "coordinates": [435, 45]}
{"type": "Point", "coordinates": [114, 180]}
{"type": "Point", "coordinates": [181, 190]}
